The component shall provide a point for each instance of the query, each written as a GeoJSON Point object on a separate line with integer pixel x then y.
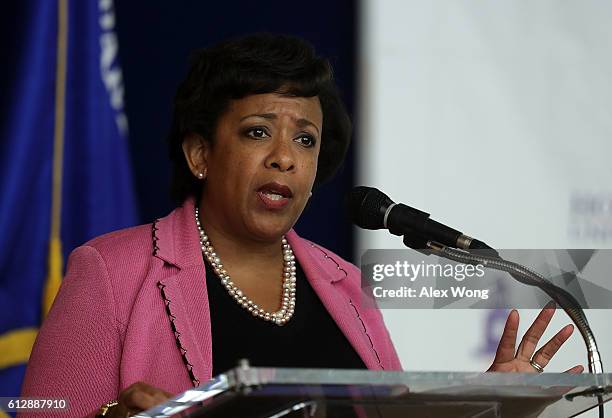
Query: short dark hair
{"type": "Point", "coordinates": [254, 64]}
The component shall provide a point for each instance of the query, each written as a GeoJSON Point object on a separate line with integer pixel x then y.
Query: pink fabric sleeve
{"type": "Point", "coordinates": [78, 350]}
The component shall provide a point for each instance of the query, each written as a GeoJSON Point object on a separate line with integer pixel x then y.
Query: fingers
{"type": "Point", "coordinates": [534, 333]}
{"type": "Point", "coordinates": [575, 370]}
{"type": "Point", "coordinates": [141, 396]}
{"type": "Point", "coordinates": [507, 343]}
{"type": "Point", "coordinates": [548, 350]}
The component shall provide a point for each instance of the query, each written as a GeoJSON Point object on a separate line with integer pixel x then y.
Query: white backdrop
{"type": "Point", "coordinates": [462, 99]}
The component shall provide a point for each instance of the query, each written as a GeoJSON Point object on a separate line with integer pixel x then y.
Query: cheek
{"type": "Point", "coordinates": [236, 166]}
{"type": "Point", "coordinates": [313, 168]}
{"type": "Point", "coordinates": [314, 164]}
{"type": "Point", "coordinates": [242, 174]}
{"type": "Point", "coordinates": [310, 172]}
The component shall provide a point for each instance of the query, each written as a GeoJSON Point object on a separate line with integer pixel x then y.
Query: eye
{"type": "Point", "coordinates": [306, 140]}
{"type": "Point", "coordinates": [257, 132]}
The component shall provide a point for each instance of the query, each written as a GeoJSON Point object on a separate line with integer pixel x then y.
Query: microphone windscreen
{"type": "Point", "coordinates": [366, 207]}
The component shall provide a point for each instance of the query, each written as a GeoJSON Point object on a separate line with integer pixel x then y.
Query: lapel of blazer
{"type": "Point", "coordinates": [326, 276]}
{"type": "Point", "coordinates": [176, 242]}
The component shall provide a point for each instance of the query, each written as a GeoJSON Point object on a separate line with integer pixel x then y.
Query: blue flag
{"type": "Point", "coordinates": [65, 163]}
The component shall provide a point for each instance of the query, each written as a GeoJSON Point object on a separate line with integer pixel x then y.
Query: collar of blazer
{"type": "Point", "coordinates": [176, 241]}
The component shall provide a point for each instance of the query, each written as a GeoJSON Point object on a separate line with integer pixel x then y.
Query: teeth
{"type": "Point", "coordinates": [273, 196]}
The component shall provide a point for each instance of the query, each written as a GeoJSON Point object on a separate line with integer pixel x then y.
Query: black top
{"type": "Point", "coordinates": [310, 339]}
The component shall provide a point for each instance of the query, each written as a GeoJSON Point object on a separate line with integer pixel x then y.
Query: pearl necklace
{"type": "Point", "coordinates": [280, 317]}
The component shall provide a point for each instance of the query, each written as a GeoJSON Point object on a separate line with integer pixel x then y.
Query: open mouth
{"type": "Point", "coordinates": [274, 195]}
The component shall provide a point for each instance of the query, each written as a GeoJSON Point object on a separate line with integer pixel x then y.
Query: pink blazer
{"type": "Point", "coordinates": [134, 307]}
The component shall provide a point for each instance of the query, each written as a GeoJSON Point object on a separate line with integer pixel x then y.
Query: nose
{"type": "Point", "coordinates": [281, 156]}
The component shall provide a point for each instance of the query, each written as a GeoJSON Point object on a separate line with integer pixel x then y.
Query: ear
{"type": "Point", "coordinates": [196, 149]}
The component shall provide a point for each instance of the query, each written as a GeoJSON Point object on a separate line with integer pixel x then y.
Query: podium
{"type": "Point", "coordinates": [331, 393]}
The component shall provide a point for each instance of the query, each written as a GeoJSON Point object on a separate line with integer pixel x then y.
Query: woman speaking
{"type": "Point", "coordinates": [151, 311]}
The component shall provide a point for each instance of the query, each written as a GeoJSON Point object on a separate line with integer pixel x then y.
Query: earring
{"type": "Point", "coordinates": [201, 174]}
{"type": "Point", "coordinates": [310, 195]}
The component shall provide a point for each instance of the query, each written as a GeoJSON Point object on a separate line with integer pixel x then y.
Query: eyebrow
{"type": "Point", "coordinates": [272, 116]}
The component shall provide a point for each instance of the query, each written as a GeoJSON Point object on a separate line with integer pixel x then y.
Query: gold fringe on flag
{"type": "Point", "coordinates": [54, 274]}
{"type": "Point", "coordinates": [16, 346]}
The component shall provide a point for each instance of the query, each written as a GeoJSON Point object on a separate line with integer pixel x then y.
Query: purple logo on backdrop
{"type": "Point", "coordinates": [494, 322]}
{"type": "Point", "coordinates": [590, 216]}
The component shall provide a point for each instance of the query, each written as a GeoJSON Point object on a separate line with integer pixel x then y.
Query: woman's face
{"type": "Point", "coordinates": [262, 165]}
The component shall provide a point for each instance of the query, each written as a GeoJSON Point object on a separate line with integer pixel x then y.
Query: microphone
{"type": "Point", "coordinates": [370, 208]}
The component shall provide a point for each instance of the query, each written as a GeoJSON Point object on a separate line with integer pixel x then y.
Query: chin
{"type": "Point", "coordinates": [271, 231]}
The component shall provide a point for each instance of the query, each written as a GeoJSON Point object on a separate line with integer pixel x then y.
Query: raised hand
{"type": "Point", "coordinates": [526, 359]}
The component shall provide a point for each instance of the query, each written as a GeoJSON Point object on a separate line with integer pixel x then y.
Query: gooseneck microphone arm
{"type": "Point", "coordinates": [529, 277]}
